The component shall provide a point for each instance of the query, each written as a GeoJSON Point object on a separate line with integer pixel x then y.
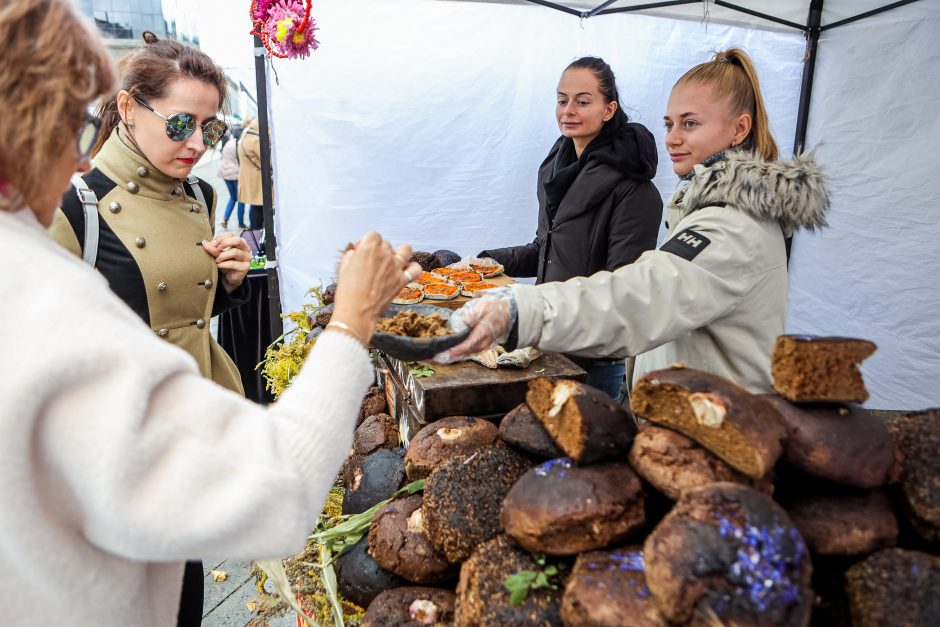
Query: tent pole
{"type": "Point", "coordinates": [557, 7]}
{"type": "Point", "coordinates": [813, 21]}
{"type": "Point", "coordinates": [642, 7]}
{"type": "Point", "coordinates": [860, 16]}
{"type": "Point", "coordinates": [809, 69]}
{"type": "Point", "coordinates": [267, 191]}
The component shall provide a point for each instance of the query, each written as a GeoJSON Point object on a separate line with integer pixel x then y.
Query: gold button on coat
{"type": "Point", "coordinates": [140, 242]}
{"type": "Point", "coordinates": [143, 172]}
{"type": "Point", "coordinates": [161, 286]}
{"type": "Point", "coordinates": [207, 283]}
{"type": "Point", "coordinates": [200, 324]}
{"type": "Point", "coordinates": [177, 191]}
{"type": "Point", "coordinates": [163, 332]}
{"type": "Point", "coordinates": [115, 207]}
{"type": "Point", "coordinates": [196, 208]}
{"type": "Point", "coordinates": [133, 187]}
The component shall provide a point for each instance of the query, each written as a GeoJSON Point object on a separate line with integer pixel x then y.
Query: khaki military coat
{"type": "Point", "coordinates": [150, 231]}
{"type": "Point", "coordinates": [249, 166]}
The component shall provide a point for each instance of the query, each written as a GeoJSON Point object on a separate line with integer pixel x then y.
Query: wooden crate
{"type": "Point", "coordinates": [464, 389]}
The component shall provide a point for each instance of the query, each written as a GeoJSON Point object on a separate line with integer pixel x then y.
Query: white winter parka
{"type": "Point", "coordinates": [713, 296]}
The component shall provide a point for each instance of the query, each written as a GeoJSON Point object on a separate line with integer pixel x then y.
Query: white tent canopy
{"type": "Point", "coordinates": [751, 13]}
{"type": "Point", "coordinates": [427, 119]}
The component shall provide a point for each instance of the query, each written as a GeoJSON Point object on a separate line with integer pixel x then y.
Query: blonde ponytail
{"type": "Point", "coordinates": [733, 76]}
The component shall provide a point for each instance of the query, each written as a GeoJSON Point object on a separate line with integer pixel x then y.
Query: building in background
{"type": "Point", "coordinates": [122, 21]}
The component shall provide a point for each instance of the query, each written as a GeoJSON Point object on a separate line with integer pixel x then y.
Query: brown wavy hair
{"type": "Point", "coordinates": [733, 76]}
{"type": "Point", "coordinates": [54, 65]}
{"type": "Point", "coordinates": [148, 72]}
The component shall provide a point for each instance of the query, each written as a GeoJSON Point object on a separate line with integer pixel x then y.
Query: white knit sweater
{"type": "Point", "coordinates": [118, 461]}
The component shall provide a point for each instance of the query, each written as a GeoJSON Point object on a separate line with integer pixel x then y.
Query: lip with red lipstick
{"type": "Point", "coordinates": [187, 160]}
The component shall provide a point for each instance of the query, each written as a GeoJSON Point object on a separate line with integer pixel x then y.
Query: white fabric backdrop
{"type": "Point", "coordinates": [427, 121]}
{"type": "Point", "coordinates": [875, 273]}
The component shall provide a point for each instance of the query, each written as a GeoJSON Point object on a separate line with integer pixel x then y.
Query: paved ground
{"type": "Point", "coordinates": [224, 604]}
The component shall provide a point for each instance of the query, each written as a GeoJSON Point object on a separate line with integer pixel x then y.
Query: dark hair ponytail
{"type": "Point", "coordinates": [148, 72]}
{"type": "Point", "coordinates": [607, 83]}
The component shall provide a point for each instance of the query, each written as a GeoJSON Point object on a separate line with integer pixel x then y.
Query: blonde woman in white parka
{"type": "Point", "coordinates": [714, 295]}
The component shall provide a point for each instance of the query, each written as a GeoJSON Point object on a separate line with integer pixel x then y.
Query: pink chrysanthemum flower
{"type": "Point", "coordinates": [282, 25]}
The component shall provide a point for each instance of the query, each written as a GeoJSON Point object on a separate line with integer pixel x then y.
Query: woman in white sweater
{"type": "Point", "coordinates": [118, 460]}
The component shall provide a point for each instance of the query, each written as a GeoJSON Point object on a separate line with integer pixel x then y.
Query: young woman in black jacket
{"type": "Point", "coordinates": [598, 207]}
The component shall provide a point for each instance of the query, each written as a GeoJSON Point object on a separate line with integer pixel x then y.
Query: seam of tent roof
{"type": "Point", "coordinates": [606, 8]}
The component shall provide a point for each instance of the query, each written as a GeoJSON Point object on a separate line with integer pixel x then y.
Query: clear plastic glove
{"type": "Point", "coordinates": [490, 317]}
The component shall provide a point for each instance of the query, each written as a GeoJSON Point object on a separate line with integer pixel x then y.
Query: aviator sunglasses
{"type": "Point", "coordinates": [88, 135]}
{"type": "Point", "coordinates": [181, 126]}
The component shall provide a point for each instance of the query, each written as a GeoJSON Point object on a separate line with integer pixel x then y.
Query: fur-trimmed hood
{"type": "Point", "coordinates": [794, 192]}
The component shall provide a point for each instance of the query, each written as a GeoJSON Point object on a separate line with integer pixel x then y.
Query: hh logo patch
{"type": "Point", "coordinates": [686, 244]}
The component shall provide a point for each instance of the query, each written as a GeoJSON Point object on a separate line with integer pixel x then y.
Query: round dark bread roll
{"type": "Point", "coordinates": [360, 579]}
{"type": "Point", "coordinates": [522, 430]}
{"type": "Point", "coordinates": [918, 438]}
{"type": "Point", "coordinates": [448, 438]}
{"type": "Point", "coordinates": [462, 499]}
{"type": "Point", "coordinates": [424, 259]}
{"type": "Point", "coordinates": [608, 589]}
{"type": "Point", "coordinates": [381, 475]}
{"type": "Point", "coordinates": [398, 542]}
{"type": "Point", "coordinates": [585, 423]}
{"type": "Point", "coordinates": [730, 551]}
{"type": "Point", "coordinates": [376, 432]}
{"type": "Point", "coordinates": [410, 607]}
{"type": "Point", "coordinates": [674, 464]}
{"type": "Point", "coordinates": [844, 443]}
{"type": "Point", "coordinates": [894, 587]}
{"type": "Point", "coordinates": [373, 403]}
{"type": "Point", "coordinates": [329, 294]}
{"type": "Point", "coordinates": [844, 522]}
{"type": "Point", "coordinates": [482, 597]}
{"type": "Point", "coordinates": [558, 508]}
{"type": "Point", "coordinates": [741, 428]}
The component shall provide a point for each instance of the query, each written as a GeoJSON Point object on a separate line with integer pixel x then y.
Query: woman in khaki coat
{"type": "Point", "coordinates": [249, 174]}
{"type": "Point", "coordinates": [155, 238]}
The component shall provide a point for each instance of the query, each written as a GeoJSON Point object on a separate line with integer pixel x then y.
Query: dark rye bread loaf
{"type": "Point", "coordinates": [674, 464]}
{"type": "Point", "coordinates": [482, 597]}
{"type": "Point", "coordinates": [608, 589]}
{"type": "Point", "coordinates": [398, 542]}
{"type": "Point", "coordinates": [918, 437]}
{"type": "Point", "coordinates": [412, 606]}
{"type": "Point", "coordinates": [381, 475]}
{"type": "Point", "coordinates": [732, 551]}
{"type": "Point", "coordinates": [522, 430]}
{"type": "Point", "coordinates": [448, 438]}
{"type": "Point", "coordinates": [739, 427]}
{"type": "Point", "coordinates": [375, 432]}
{"type": "Point", "coordinates": [844, 443]}
{"type": "Point", "coordinates": [843, 522]}
{"type": "Point", "coordinates": [809, 368]}
{"type": "Point", "coordinates": [373, 403]}
{"type": "Point", "coordinates": [462, 499]}
{"type": "Point", "coordinates": [585, 423]}
{"type": "Point", "coordinates": [360, 579]}
{"type": "Point", "coordinates": [558, 508]}
{"type": "Point", "coordinates": [895, 588]}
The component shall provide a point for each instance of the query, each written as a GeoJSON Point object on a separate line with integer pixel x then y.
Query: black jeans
{"type": "Point", "coordinates": [191, 598]}
{"type": "Point", "coordinates": [256, 217]}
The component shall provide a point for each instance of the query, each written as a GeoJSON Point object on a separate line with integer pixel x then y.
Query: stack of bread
{"type": "Point", "coordinates": [721, 508]}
